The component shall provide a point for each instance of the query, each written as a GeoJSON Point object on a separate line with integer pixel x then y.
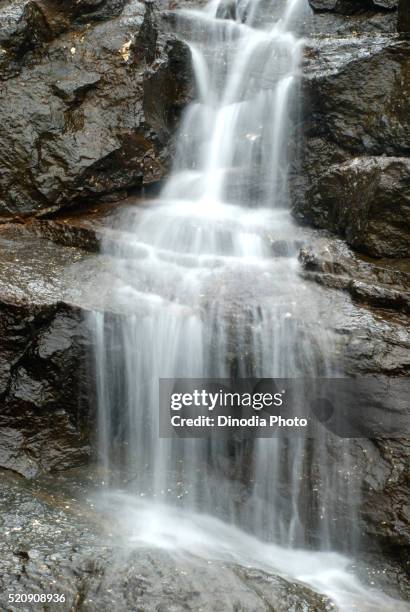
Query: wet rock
{"type": "Point", "coordinates": [367, 200]}
{"type": "Point", "coordinates": [28, 25]}
{"type": "Point", "coordinates": [376, 342]}
{"type": "Point", "coordinates": [45, 412]}
{"type": "Point", "coordinates": [55, 536]}
{"type": "Point", "coordinates": [357, 95]}
{"type": "Point", "coordinates": [384, 511]}
{"type": "Point", "coordinates": [337, 24]}
{"type": "Point", "coordinates": [38, 436]}
{"type": "Point", "coordinates": [323, 5]}
{"type": "Point", "coordinates": [331, 263]}
{"type": "Point", "coordinates": [45, 409]}
{"type": "Point", "coordinates": [86, 10]}
{"type": "Point", "coordinates": [352, 6]}
{"type": "Point", "coordinates": [391, 480]}
{"type": "Point", "coordinates": [91, 108]}
{"type": "Point", "coordinates": [157, 581]}
{"type": "Point", "coordinates": [46, 295]}
{"type": "Point", "coordinates": [338, 89]}
{"type": "Point", "coordinates": [24, 28]}
{"type": "Point", "coordinates": [387, 4]}
{"type": "Point", "coordinates": [380, 296]}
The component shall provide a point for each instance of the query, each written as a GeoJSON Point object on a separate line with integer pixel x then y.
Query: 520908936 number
{"type": "Point", "coordinates": [36, 598]}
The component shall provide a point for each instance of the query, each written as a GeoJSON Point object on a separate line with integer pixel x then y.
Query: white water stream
{"type": "Point", "coordinates": [210, 275]}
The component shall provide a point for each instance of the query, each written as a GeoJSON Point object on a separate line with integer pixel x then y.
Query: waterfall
{"type": "Point", "coordinates": [208, 282]}
{"type": "Point", "coordinates": [207, 285]}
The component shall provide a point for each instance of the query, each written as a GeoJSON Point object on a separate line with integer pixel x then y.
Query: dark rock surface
{"type": "Point", "coordinates": [357, 93]}
{"type": "Point", "coordinates": [376, 342]}
{"type": "Point", "coordinates": [376, 338]}
{"type": "Point", "coordinates": [90, 96]}
{"type": "Point", "coordinates": [352, 17]}
{"type": "Point", "coordinates": [366, 23]}
{"type": "Point", "coordinates": [45, 412]}
{"type": "Point", "coordinates": [45, 417]}
{"type": "Point", "coordinates": [378, 284]}
{"type": "Point", "coordinates": [385, 510]}
{"type": "Point", "coordinates": [92, 91]}
{"type": "Point", "coordinates": [352, 6]}
{"type": "Point", "coordinates": [367, 200]}
{"type": "Point", "coordinates": [404, 16]}
{"type": "Point", "coordinates": [348, 132]}
{"type": "Point", "coordinates": [58, 543]}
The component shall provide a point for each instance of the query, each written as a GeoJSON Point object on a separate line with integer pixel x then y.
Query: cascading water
{"type": "Point", "coordinates": [208, 282]}
{"type": "Point", "coordinates": [200, 273]}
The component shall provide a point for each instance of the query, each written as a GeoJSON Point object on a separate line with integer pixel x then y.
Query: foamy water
{"type": "Point", "coordinates": [208, 275]}
{"type": "Point", "coordinates": [185, 534]}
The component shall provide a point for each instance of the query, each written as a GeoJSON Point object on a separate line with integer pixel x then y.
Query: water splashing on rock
{"type": "Point", "coordinates": [208, 286]}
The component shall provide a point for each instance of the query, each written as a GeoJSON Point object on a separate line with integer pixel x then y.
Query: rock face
{"type": "Point", "coordinates": [367, 200]}
{"type": "Point", "coordinates": [45, 409]}
{"type": "Point", "coordinates": [44, 417]}
{"type": "Point", "coordinates": [355, 181]}
{"type": "Point", "coordinates": [357, 95]}
{"type": "Point", "coordinates": [91, 92]}
{"type": "Point", "coordinates": [353, 16]}
{"type": "Point", "coordinates": [376, 343]}
{"type": "Point", "coordinates": [49, 426]}
{"type": "Point", "coordinates": [89, 97]}
{"type": "Point", "coordinates": [352, 6]}
{"type": "Point", "coordinates": [372, 282]}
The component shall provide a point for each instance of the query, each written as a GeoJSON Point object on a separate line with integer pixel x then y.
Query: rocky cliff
{"type": "Point", "coordinates": [355, 182]}
{"type": "Point", "coordinates": [90, 99]}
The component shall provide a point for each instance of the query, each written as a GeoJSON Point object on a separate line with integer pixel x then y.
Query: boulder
{"type": "Point", "coordinates": [367, 200]}
{"type": "Point", "coordinates": [89, 102]}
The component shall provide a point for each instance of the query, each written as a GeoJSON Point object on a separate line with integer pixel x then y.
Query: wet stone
{"type": "Point", "coordinates": [57, 543]}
